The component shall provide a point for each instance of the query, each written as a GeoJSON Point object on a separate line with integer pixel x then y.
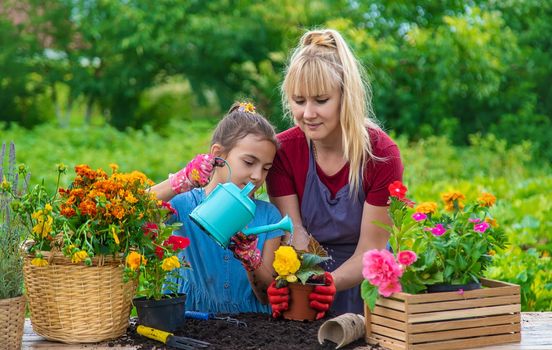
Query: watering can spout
{"type": "Point", "coordinates": [285, 224]}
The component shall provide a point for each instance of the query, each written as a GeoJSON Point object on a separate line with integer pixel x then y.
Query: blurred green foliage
{"type": "Point", "coordinates": [447, 68]}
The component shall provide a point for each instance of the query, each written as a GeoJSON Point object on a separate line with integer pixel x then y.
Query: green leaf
{"type": "Point", "coordinates": [369, 294]}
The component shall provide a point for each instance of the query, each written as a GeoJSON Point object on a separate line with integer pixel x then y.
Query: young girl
{"type": "Point", "coordinates": [216, 282]}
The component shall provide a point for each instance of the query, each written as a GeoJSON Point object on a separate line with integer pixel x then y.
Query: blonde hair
{"type": "Point", "coordinates": [321, 63]}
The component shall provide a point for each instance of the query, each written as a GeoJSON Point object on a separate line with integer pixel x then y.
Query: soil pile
{"type": "Point", "coordinates": [262, 332]}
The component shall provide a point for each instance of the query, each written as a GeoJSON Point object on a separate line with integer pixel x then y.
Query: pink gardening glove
{"type": "Point", "coordinates": [245, 250]}
{"type": "Point", "coordinates": [196, 174]}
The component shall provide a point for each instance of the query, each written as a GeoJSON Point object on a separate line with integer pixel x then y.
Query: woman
{"type": "Point", "coordinates": [333, 168]}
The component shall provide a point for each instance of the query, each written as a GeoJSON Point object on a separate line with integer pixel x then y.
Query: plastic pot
{"type": "Point", "coordinates": [166, 314]}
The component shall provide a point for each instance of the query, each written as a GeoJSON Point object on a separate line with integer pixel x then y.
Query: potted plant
{"type": "Point", "coordinates": [158, 262]}
{"type": "Point", "coordinates": [79, 240]}
{"type": "Point", "coordinates": [300, 271]}
{"type": "Point", "coordinates": [12, 300]}
{"type": "Point", "coordinates": [445, 252]}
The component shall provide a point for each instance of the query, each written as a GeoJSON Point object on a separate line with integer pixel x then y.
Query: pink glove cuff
{"type": "Point", "coordinates": [245, 249]}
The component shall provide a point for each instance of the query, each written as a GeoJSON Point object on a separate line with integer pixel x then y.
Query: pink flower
{"type": "Point", "coordinates": [482, 227]}
{"type": "Point", "coordinates": [460, 291]}
{"type": "Point", "coordinates": [475, 220]}
{"type": "Point", "coordinates": [438, 230]}
{"type": "Point", "coordinates": [379, 266]}
{"type": "Point", "coordinates": [406, 257]}
{"type": "Point", "coordinates": [390, 287]}
{"type": "Point", "coordinates": [419, 216]}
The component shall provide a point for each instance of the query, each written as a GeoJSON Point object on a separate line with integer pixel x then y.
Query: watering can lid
{"type": "Point", "coordinates": [241, 194]}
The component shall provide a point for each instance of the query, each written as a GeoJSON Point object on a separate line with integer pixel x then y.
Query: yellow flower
{"type": "Point", "coordinates": [114, 233]}
{"type": "Point", "coordinates": [43, 228]}
{"type": "Point", "coordinates": [114, 167]}
{"type": "Point", "coordinates": [291, 278]}
{"type": "Point", "coordinates": [170, 263]}
{"type": "Point", "coordinates": [427, 208]}
{"type": "Point", "coordinates": [5, 186]}
{"type": "Point", "coordinates": [131, 199]}
{"type": "Point", "coordinates": [79, 256]}
{"type": "Point", "coordinates": [486, 199]}
{"type": "Point", "coordinates": [47, 208]}
{"type": "Point", "coordinates": [453, 199]}
{"type": "Point", "coordinates": [286, 261]}
{"type": "Point", "coordinates": [39, 262]}
{"type": "Point", "coordinates": [134, 259]}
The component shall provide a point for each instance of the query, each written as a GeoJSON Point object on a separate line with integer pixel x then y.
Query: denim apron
{"type": "Point", "coordinates": [335, 223]}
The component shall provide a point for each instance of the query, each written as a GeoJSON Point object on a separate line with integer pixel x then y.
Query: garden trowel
{"type": "Point", "coordinates": [171, 339]}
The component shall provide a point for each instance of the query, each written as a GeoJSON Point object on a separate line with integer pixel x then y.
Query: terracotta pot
{"type": "Point", "coordinates": [299, 308]}
{"type": "Point", "coordinates": [166, 314]}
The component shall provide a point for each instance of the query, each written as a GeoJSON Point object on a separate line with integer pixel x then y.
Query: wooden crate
{"type": "Point", "coordinates": [448, 320]}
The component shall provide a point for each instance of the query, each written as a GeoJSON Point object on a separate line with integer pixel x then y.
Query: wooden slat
{"type": "Point", "coordinates": [464, 333]}
{"type": "Point", "coordinates": [470, 294]}
{"type": "Point", "coordinates": [467, 323]}
{"type": "Point", "coordinates": [391, 304]}
{"type": "Point", "coordinates": [384, 321]}
{"type": "Point", "coordinates": [494, 283]}
{"type": "Point", "coordinates": [396, 315]}
{"type": "Point", "coordinates": [469, 343]}
{"type": "Point", "coordinates": [464, 304]}
{"type": "Point", "coordinates": [388, 343]}
{"type": "Point", "coordinates": [388, 332]}
{"type": "Point", "coordinates": [459, 314]}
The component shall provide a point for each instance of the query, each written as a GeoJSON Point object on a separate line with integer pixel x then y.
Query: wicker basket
{"type": "Point", "coordinates": [12, 319]}
{"type": "Point", "coordinates": [74, 303]}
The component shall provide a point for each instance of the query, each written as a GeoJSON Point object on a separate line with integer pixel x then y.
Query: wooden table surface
{"type": "Point", "coordinates": [536, 334]}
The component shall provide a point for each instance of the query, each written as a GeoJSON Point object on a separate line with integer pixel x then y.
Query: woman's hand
{"type": "Point", "coordinates": [278, 299]}
{"type": "Point", "coordinates": [322, 297]}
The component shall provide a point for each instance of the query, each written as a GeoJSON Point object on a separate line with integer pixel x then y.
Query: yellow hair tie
{"type": "Point", "coordinates": [246, 107]}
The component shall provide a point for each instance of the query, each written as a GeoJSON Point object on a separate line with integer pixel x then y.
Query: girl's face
{"type": "Point", "coordinates": [250, 160]}
{"type": "Point", "coordinates": [318, 116]}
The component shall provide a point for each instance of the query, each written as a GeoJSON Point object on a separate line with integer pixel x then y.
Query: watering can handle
{"type": "Point", "coordinates": [285, 224]}
{"type": "Point", "coordinates": [221, 162]}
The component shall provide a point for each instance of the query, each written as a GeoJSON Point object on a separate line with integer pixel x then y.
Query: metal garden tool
{"type": "Point", "coordinates": [170, 339]}
{"type": "Point", "coordinates": [211, 316]}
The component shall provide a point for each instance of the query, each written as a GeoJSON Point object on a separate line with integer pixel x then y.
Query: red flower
{"type": "Point", "coordinates": [150, 228]}
{"type": "Point", "coordinates": [397, 189]}
{"type": "Point", "coordinates": [160, 252]}
{"type": "Point", "coordinates": [168, 206]}
{"type": "Point", "coordinates": [177, 242]}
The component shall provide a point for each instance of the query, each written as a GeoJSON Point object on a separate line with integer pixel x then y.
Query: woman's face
{"type": "Point", "coordinates": [250, 159]}
{"type": "Point", "coordinates": [318, 116]}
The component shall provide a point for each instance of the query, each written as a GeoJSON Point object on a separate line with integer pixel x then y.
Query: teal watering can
{"type": "Point", "coordinates": [227, 210]}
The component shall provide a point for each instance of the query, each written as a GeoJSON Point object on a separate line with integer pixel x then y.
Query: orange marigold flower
{"type": "Point", "coordinates": [134, 259]}
{"type": "Point", "coordinates": [453, 200]}
{"type": "Point", "coordinates": [88, 207]}
{"type": "Point", "coordinates": [492, 222]}
{"type": "Point", "coordinates": [486, 199]}
{"type": "Point", "coordinates": [427, 208]}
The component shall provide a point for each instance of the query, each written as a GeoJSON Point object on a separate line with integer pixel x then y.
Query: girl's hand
{"type": "Point", "coordinates": [196, 174]}
{"type": "Point", "coordinates": [245, 250]}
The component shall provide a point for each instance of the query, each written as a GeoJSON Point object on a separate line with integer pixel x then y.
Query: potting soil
{"type": "Point", "coordinates": [262, 332]}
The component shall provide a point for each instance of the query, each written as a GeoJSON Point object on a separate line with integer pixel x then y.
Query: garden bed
{"type": "Point", "coordinates": [262, 332]}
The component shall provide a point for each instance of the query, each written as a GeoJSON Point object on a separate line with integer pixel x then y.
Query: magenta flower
{"type": "Point", "coordinates": [406, 257]}
{"type": "Point", "coordinates": [475, 220]}
{"type": "Point", "coordinates": [419, 216]}
{"type": "Point", "coordinates": [482, 227]}
{"type": "Point", "coordinates": [438, 230]}
{"type": "Point", "coordinates": [379, 266]}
